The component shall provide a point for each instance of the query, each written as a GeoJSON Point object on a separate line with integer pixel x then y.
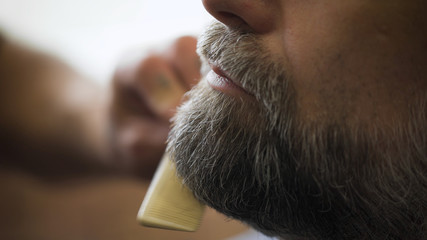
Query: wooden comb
{"type": "Point", "coordinates": [168, 204]}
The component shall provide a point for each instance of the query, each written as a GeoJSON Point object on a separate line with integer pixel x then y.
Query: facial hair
{"type": "Point", "coordinates": [259, 162]}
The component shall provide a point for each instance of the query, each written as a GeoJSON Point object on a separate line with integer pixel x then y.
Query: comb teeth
{"type": "Point", "coordinates": [168, 204]}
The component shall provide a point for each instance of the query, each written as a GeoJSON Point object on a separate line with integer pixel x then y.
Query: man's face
{"type": "Point", "coordinates": [312, 121]}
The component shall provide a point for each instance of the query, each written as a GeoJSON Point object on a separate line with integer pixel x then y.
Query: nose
{"type": "Point", "coordinates": [259, 16]}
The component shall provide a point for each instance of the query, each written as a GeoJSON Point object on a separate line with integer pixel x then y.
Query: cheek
{"type": "Point", "coordinates": [317, 55]}
{"type": "Point", "coordinates": [341, 62]}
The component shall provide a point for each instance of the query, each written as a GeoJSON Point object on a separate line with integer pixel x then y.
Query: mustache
{"type": "Point", "coordinates": [242, 56]}
{"type": "Point", "coordinates": [246, 60]}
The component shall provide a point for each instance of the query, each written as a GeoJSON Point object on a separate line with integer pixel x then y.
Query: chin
{"type": "Point", "coordinates": [323, 182]}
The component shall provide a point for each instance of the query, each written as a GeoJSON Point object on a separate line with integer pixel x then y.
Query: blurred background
{"type": "Point", "coordinates": [91, 35]}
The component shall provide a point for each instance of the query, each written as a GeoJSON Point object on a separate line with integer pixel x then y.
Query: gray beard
{"type": "Point", "coordinates": [255, 161]}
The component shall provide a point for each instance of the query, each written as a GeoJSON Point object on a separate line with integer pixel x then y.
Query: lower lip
{"type": "Point", "coordinates": [224, 84]}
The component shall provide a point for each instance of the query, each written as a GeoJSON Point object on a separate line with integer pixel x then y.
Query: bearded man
{"type": "Point", "coordinates": [312, 121]}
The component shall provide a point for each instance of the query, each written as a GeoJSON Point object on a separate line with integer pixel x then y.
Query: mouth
{"type": "Point", "coordinates": [220, 81]}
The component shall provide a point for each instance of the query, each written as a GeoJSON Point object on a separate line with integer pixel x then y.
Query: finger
{"type": "Point", "coordinates": [159, 86]}
{"type": "Point", "coordinates": [186, 63]}
{"type": "Point", "coordinates": [126, 99]}
{"type": "Point", "coordinates": [140, 144]}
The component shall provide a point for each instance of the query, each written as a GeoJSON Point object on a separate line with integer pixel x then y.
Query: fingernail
{"type": "Point", "coordinates": [165, 95]}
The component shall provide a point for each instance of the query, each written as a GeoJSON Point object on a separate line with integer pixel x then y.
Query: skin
{"type": "Point", "coordinates": [346, 57]}
{"type": "Point", "coordinates": [360, 62]}
{"type": "Point", "coordinates": [124, 133]}
{"type": "Point", "coordinates": [39, 96]}
{"type": "Point", "coordinates": [57, 132]}
{"type": "Point", "coordinates": [330, 142]}
{"type": "Point", "coordinates": [146, 93]}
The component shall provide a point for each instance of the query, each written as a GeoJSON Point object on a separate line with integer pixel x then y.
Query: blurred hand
{"type": "Point", "coordinates": [145, 97]}
{"type": "Point", "coordinates": [52, 119]}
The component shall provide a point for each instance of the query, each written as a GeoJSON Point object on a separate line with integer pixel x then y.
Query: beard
{"type": "Point", "coordinates": [259, 162]}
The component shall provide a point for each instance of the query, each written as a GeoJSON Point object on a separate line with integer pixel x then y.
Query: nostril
{"type": "Point", "coordinates": [257, 16]}
{"type": "Point", "coordinates": [229, 15]}
{"type": "Point", "coordinates": [232, 20]}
